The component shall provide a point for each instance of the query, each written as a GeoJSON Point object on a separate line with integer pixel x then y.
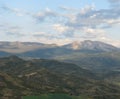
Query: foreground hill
{"type": "Point", "coordinates": [12, 87]}
{"type": "Point", "coordinates": [36, 77]}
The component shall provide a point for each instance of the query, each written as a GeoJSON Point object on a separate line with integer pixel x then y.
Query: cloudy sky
{"type": "Point", "coordinates": [60, 21]}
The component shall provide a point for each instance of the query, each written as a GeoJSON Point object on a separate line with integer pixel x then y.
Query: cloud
{"type": "Point", "coordinates": [60, 28]}
{"type": "Point", "coordinates": [94, 20]}
{"type": "Point", "coordinates": [9, 30]}
{"type": "Point", "coordinates": [65, 8]}
{"type": "Point", "coordinates": [90, 33]}
{"type": "Point", "coordinates": [13, 10]}
{"type": "Point", "coordinates": [14, 34]}
{"type": "Point", "coordinates": [47, 14]}
{"type": "Point", "coordinates": [115, 4]}
{"type": "Point", "coordinates": [70, 23]}
{"type": "Point", "coordinates": [111, 41]}
{"type": "Point", "coordinates": [16, 11]}
{"type": "Point", "coordinates": [90, 23]}
{"type": "Point", "coordinates": [46, 35]}
{"type": "Point", "coordinates": [49, 40]}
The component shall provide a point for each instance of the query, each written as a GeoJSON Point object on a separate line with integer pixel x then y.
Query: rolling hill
{"type": "Point", "coordinates": [39, 76]}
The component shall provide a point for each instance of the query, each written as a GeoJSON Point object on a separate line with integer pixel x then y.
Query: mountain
{"type": "Point", "coordinates": [20, 77]}
{"type": "Point", "coordinates": [2, 54]}
{"type": "Point", "coordinates": [20, 47]}
{"type": "Point", "coordinates": [50, 50]}
{"type": "Point", "coordinates": [89, 68]}
{"type": "Point", "coordinates": [83, 47]}
{"type": "Point", "coordinates": [88, 45]}
{"type": "Point", "coordinates": [92, 55]}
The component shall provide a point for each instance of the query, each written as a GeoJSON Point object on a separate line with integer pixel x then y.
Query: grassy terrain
{"type": "Point", "coordinates": [20, 77]}
{"type": "Point", "coordinates": [55, 96]}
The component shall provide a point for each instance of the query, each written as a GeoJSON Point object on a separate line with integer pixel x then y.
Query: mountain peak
{"type": "Point", "coordinates": [91, 45]}
{"type": "Point", "coordinates": [75, 45]}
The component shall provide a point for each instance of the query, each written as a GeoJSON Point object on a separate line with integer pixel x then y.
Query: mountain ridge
{"type": "Point", "coordinates": [21, 47]}
{"type": "Point", "coordinates": [91, 45]}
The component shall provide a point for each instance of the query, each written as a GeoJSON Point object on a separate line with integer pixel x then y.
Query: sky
{"type": "Point", "coordinates": [60, 21]}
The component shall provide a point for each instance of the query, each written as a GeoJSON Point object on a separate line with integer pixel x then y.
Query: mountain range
{"type": "Point", "coordinates": [92, 55]}
{"type": "Point", "coordinates": [20, 47]}
{"type": "Point", "coordinates": [88, 65]}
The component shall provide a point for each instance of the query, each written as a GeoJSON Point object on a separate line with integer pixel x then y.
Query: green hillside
{"type": "Point", "coordinates": [106, 65]}
{"type": "Point", "coordinates": [20, 77]}
{"type": "Point", "coordinates": [97, 62]}
{"type": "Point", "coordinates": [55, 96]}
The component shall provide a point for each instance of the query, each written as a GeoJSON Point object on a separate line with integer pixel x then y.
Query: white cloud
{"type": "Point", "coordinates": [10, 30]}
{"type": "Point", "coordinates": [87, 8]}
{"type": "Point", "coordinates": [17, 11]}
{"type": "Point", "coordinates": [52, 41]}
{"type": "Point", "coordinates": [87, 23]}
{"type": "Point", "coordinates": [60, 28]}
{"type": "Point", "coordinates": [69, 9]}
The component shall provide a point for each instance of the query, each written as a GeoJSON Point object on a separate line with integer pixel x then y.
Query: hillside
{"type": "Point", "coordinates": [12, 87]}
{"type": "Point", "coordinates": [40, 76]}
{"type": "Point", "coordinates": [10, 64]}
{"type": "Point", "coordinates": [106, 65]}
{"type": "Point", "coordinates": [94, 61]}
